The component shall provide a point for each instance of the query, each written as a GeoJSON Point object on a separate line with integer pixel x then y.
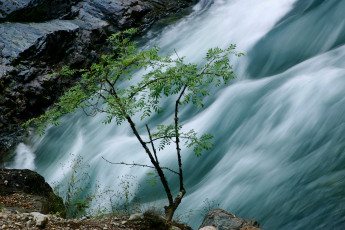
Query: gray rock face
{"type": "Point", "coordinates": [224, 220]}
{"type": "Point", "coordinates": [27, 41]}
{"type": "Point", "coordinates": [34, 10]}
{"type": "Point", "coordinates": [57, 33]}
{"type": "Point", "coordinates": [27, 53]}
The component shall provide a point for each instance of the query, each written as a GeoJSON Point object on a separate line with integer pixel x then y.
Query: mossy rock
{"type": "Point", "coordinates": [29, 185]}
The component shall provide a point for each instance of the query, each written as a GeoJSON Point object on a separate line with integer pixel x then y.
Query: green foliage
{"type": "Point", "coordinates": [108, 87]}
{"type": "Point", "coordinates": [100, 91]}
{"type": "Point", "coordinates": [152, 178]}
{"type": "Point", "coordinates": [58, 214]}
{"type": "Point", "coordinates": [122, 201]}
{"type": "Point", "coordinates": [74, 193]}
{"type": "Point", "coordinates": [126, 198]}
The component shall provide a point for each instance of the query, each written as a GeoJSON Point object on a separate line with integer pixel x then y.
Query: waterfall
{"type": "Point", "coordinates": [279, 127]}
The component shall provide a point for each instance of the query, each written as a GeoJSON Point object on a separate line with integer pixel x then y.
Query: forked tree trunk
{"type": "Point", "coordinates": [173, 204]}
{"type": "Point", "coordinates": [170, 210]}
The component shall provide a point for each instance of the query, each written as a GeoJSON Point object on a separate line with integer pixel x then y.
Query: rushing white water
{"type": "Point", "coordinates": [279, 128]}
{"type": "Point", "coordinates": [25, 157]}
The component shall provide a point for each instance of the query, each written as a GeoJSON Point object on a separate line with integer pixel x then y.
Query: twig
{"type": "Point", "coordinates": [152, 144]}
{"type": "Point", "coordinates": [139, 165]}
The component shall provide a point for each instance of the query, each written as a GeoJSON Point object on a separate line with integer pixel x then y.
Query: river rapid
{"type": "Point", "coordinates": [279, 154]}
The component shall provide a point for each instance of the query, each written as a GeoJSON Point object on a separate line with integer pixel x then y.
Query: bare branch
{"type": "Point", "coordinates": [170, 137]}
{"type": "Point", "coordinates": [152, 144]}
{"type": "Point", "coordinates": [139, 165]}
{"type": "Point", "coordinates": [158, 138]}
{"type": "Point", "coordinates": [177, 54]}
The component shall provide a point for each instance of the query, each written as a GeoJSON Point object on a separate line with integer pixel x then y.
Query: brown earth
{"type": "Point", "coordinates": [12, 219]}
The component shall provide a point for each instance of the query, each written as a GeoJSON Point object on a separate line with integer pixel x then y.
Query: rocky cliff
{"type": "Point", "coordinates": [38, 37]}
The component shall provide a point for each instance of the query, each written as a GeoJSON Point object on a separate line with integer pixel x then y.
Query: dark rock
{"type": "Point", "coordinates": [34, 10]}
{"type": "Point", "coordinates": [224, 220]}
{"type": "Point", "coordinates": [31, 40]}
{"type": "Point", "coordinates": [26, 190]}
{"type": "Point", "coordinates": [75, 35]}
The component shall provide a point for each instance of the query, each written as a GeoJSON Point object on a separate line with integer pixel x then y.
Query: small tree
{"type": "Point", "coordinates": [99, 91]}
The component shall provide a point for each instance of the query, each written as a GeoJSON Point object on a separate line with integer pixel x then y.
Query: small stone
{"type": "Point", "coordinates": [208, 228]}
{"type": "Point", "coordinates": [136, 216]}
{"type": "Point", "coordinates": [40, 219]}
{"type": "Point", "coordinates": [28, 224]}
{"type": "Point", "coordinates": [124, 222]}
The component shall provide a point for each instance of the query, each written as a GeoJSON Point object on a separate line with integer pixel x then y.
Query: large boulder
{"type": "Point", "coordinates": [27, 191]}
{"type": "Point", "coordinates": [220, 219]}
{"type": "Point", "coordinates": [57, 33]}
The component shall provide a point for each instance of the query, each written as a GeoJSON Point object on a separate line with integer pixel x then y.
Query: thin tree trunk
{"type": "Point", "coordinates": [170, 210]}
{"type": "Point", "coordinates": [147, 150]}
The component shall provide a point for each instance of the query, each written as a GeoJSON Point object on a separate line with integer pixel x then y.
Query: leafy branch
{"type": "Point", "coordinates": [108, 87]}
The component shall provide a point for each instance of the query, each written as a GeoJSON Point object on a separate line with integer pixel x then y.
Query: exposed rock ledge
{"type": "Point", "coordinates": [27, 191]}
{"type": "Point", "coordinates": [37, 37]}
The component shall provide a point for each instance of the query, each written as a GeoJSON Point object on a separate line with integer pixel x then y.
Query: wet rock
{"type": "Point", "coordinates": [25, 190]}
{"type": "Point", "coordinates": [75, 35]}
{"type": "Point", "coordinates": [26, 41]}
{"type": "Point", "coordinates": [224, 220]}
{"type": "Point", "coordinates": [34, 10]}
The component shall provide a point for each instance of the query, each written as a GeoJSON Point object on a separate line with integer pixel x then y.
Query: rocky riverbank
{"type": "Point", "coordinates": [38, 37]}
{"type": "Point", "coordinates": [28, 202]}
{"type": "Point", "coordinates": [146, 221]}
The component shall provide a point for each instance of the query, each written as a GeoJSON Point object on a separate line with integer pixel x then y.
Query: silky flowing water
{"type": "Point", "coordinates": [279, 154]}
